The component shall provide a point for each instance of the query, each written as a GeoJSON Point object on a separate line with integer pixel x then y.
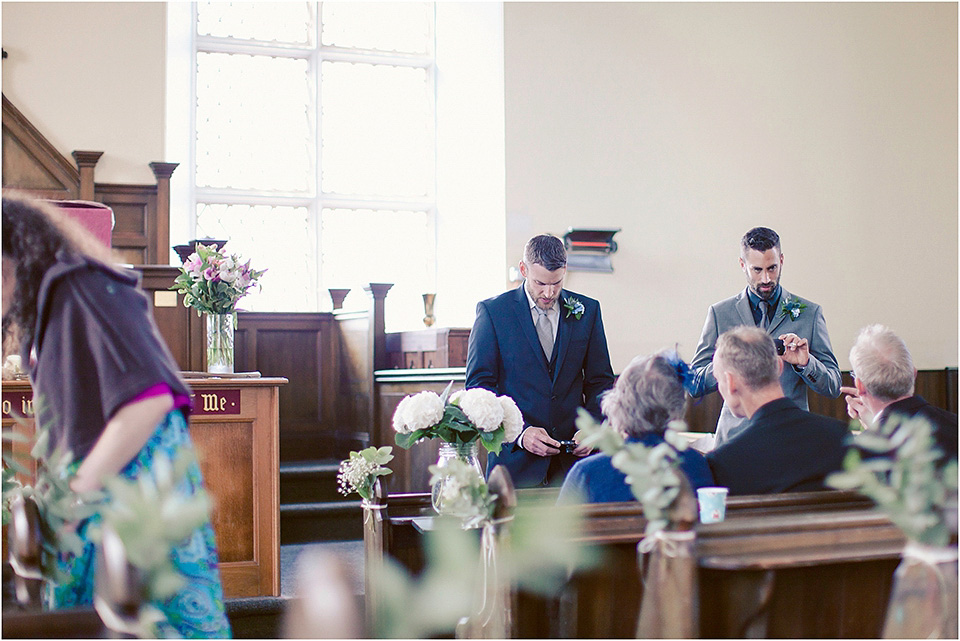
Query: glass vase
{"type": "Point", "coordinates": [923, 599]}
{"type": "Point", "coordinates": [448, 452]}
{"type": "Point", "coordinates": [219, 343]}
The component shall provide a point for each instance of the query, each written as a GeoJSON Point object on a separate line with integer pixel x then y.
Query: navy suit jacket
{"type": "Point", "coordinates": [781, 448]}
{"type": "Point", "coordinates": [504, 356]}
{"type": "Point", "coordinates": [944, 422]}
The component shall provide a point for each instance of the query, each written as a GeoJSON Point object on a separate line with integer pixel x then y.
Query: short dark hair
{"type": "Point", "coordinates": [750, 352]}
{"type": "Point", "coordinates": [545, 250]}
{"type": "Point", "coordinates": [760, 239]}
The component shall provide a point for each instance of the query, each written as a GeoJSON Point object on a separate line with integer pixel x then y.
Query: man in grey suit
{"type": "Point", "coordinates": [808, 356]}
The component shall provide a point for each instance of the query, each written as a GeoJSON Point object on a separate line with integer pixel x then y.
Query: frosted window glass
{"type": "Point", "coordinates": [404, 27]}
{"type": "Point", "coordinates": [363, 246]}
{"type": "Point", "coordinates": [253, 123]}
{"type": "Point", "coordinates": [377, 130]}
{"type": "Point", "coordinates": [279, 239]}
{"type": "Point", "coordinates": [282, 22]}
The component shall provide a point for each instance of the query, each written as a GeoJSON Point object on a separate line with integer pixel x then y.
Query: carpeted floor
{"type": "Point", "coordinates": [349, 552]}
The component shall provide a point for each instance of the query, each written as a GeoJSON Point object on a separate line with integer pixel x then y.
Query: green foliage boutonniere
{"type": "Point", "coordinates": [792, 307]}
{"type": "Point", "coordinates": [573, 306]}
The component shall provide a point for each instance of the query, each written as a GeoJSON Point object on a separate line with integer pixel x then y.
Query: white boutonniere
{"type": "Point", "coordinates": [573, 306]}
{"type": "Point", "coordinates": [792, 307]}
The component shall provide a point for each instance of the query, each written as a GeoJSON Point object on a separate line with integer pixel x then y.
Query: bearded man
{"type": "Point", "coordinates": [807, 357]}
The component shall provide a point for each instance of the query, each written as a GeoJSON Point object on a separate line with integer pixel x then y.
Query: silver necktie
{"type": "Point", "coordinates": [545, 332]}
{"type": "Point", "coordinates": [765, 307]}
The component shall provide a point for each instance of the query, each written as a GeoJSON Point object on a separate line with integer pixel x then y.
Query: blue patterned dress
{"type": "Point", "coordinates": [196, 612]}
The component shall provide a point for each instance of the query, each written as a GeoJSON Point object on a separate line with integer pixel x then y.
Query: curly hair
{"type": "Point", "coordinates": [34, 234]}
{"type": "Point", "coordinates": [647, 396]}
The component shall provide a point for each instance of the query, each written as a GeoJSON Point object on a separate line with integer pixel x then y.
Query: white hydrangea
{"type": "Point", "coordinates": [483, 408]}
{"type": "Point", "coordinates": [422, 410]}
{"type": "Point", "coordinates": [399, 423]}
{"type": "Point", "coordinates": [512, 419]}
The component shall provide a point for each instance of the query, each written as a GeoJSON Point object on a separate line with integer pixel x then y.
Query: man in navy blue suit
{"type": "Point", "coordinates": [544, 347]}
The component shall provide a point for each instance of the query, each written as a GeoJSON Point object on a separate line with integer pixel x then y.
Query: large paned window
{"type": "Point", "coordinates": [314, 147]}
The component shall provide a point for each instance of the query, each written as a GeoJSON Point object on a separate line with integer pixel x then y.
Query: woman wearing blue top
{"type": "Point", "coordinates": [648, 395]}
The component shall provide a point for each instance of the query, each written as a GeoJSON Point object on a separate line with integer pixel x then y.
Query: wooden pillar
{"type": "Point", "coordinates": [86, 162]}
{"type": "Point", "coordinates": [378, 325]}
{"type": "Point", "coordinates": [161, 249]}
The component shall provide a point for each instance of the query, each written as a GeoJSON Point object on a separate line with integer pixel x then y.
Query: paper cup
{"type": "Point", "coordinates": [713, 504]}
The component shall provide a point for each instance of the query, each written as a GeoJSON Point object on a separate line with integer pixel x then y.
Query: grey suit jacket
{"type": "Point", "coordinates": [821, 374]}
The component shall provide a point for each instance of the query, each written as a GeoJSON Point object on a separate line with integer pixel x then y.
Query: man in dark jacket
{"type": "Point", "coordinates": [884, 378]}
{"type": "Point", "coordinates": [781, 448]}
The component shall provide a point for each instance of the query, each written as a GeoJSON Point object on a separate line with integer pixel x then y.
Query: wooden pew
{"type": "Point", "coordinates": [817, 564]}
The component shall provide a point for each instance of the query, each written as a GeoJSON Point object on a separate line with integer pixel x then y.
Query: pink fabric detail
{"type": "Point", "coordinates": [179, 400]}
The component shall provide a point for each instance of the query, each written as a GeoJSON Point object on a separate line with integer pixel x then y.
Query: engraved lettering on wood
{"type": "Point", "coordinates": [17, 404]}
{"type": "Point", "coordinates": [216, 402]}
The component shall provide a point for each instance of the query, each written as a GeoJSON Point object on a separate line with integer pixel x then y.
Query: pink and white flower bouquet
{"type": "Point", "coordinates": [461, 418]}
{"type": "Point", "coordinates": [213, 282]}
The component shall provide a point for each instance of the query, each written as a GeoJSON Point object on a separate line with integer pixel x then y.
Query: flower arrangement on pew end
{"type": "Point", "coordinates": [359, 472]}
{"type": "Point", "coordinates": [462, 418]}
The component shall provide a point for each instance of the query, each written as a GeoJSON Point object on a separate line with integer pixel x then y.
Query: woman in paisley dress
{"type": "Point", "coordinates": [106, 387]}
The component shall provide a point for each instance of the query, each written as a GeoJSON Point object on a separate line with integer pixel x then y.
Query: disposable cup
{"type": "Point", "coordinates": [713, 504]}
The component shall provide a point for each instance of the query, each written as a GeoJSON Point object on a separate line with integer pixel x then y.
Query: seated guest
{"type": "Point", "coordinates": [647, 396]}
{"type": "Point", "coordinates": [781, 448]}
{"type": "Point", "coordinates": [883, 381]}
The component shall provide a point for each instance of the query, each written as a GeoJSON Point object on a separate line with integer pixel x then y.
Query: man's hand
{"type": "Point", "coordinates": [537, 441]}
{"type": "Point", "coordinates": [582, 450]}
{"type": "Point", "coordinates": [856, 408]}
{"type": "Point", "coordinates": [796, 350]}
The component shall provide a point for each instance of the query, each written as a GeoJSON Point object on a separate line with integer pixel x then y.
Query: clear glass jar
{"type": "Point", "coordinates": [467, 453]}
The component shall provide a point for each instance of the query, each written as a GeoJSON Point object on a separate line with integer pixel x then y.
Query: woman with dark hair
{"type": "Point", "coordinates": [648, 395]}
{"type": "Point", "coordinates": [107, 388]}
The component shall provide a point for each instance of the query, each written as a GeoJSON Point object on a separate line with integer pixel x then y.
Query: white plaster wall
{"type": "Point", "coordinates": [90, 76]}
{"type": "Point", "coordinates": [687, 123]}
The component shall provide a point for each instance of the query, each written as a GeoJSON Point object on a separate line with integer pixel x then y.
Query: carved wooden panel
{"type": "Point", "coordinates": [230, 471]}
{"type": "Point", "coordinates": [32, 163]}
{"type": "Point", "coordinates": [302, 348]}
{"type": "Point", "coordinates": [135, 209]}
{"type": "Point", "coordinates": [141, 233]}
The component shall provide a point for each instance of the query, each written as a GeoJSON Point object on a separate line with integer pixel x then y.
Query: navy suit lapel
{"type": "Point", "coordinates": [525, 318]}
{"type": "Point", "coordinates": [564, 330]}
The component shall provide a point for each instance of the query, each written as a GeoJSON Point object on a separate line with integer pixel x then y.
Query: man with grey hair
{"type": "Point", "coordinates": [808, 356]}
{"type": "Point", "coordinates": [883, 378]}
{"type": "Point", "coordinates": [544, 347]}
{"type": "Point", "coordinates": [781, 447]}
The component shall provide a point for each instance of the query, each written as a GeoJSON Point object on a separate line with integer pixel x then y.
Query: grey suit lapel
{"type": "Point", "coordinates": [781, 316]}
{"type": "Point", "coordinates": [743, 308]}
{"type": "Point", "coordinates": [525, 317]}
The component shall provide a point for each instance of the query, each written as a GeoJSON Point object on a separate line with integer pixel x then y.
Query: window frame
{"type": "Point", "coordinates": [314, 200]}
